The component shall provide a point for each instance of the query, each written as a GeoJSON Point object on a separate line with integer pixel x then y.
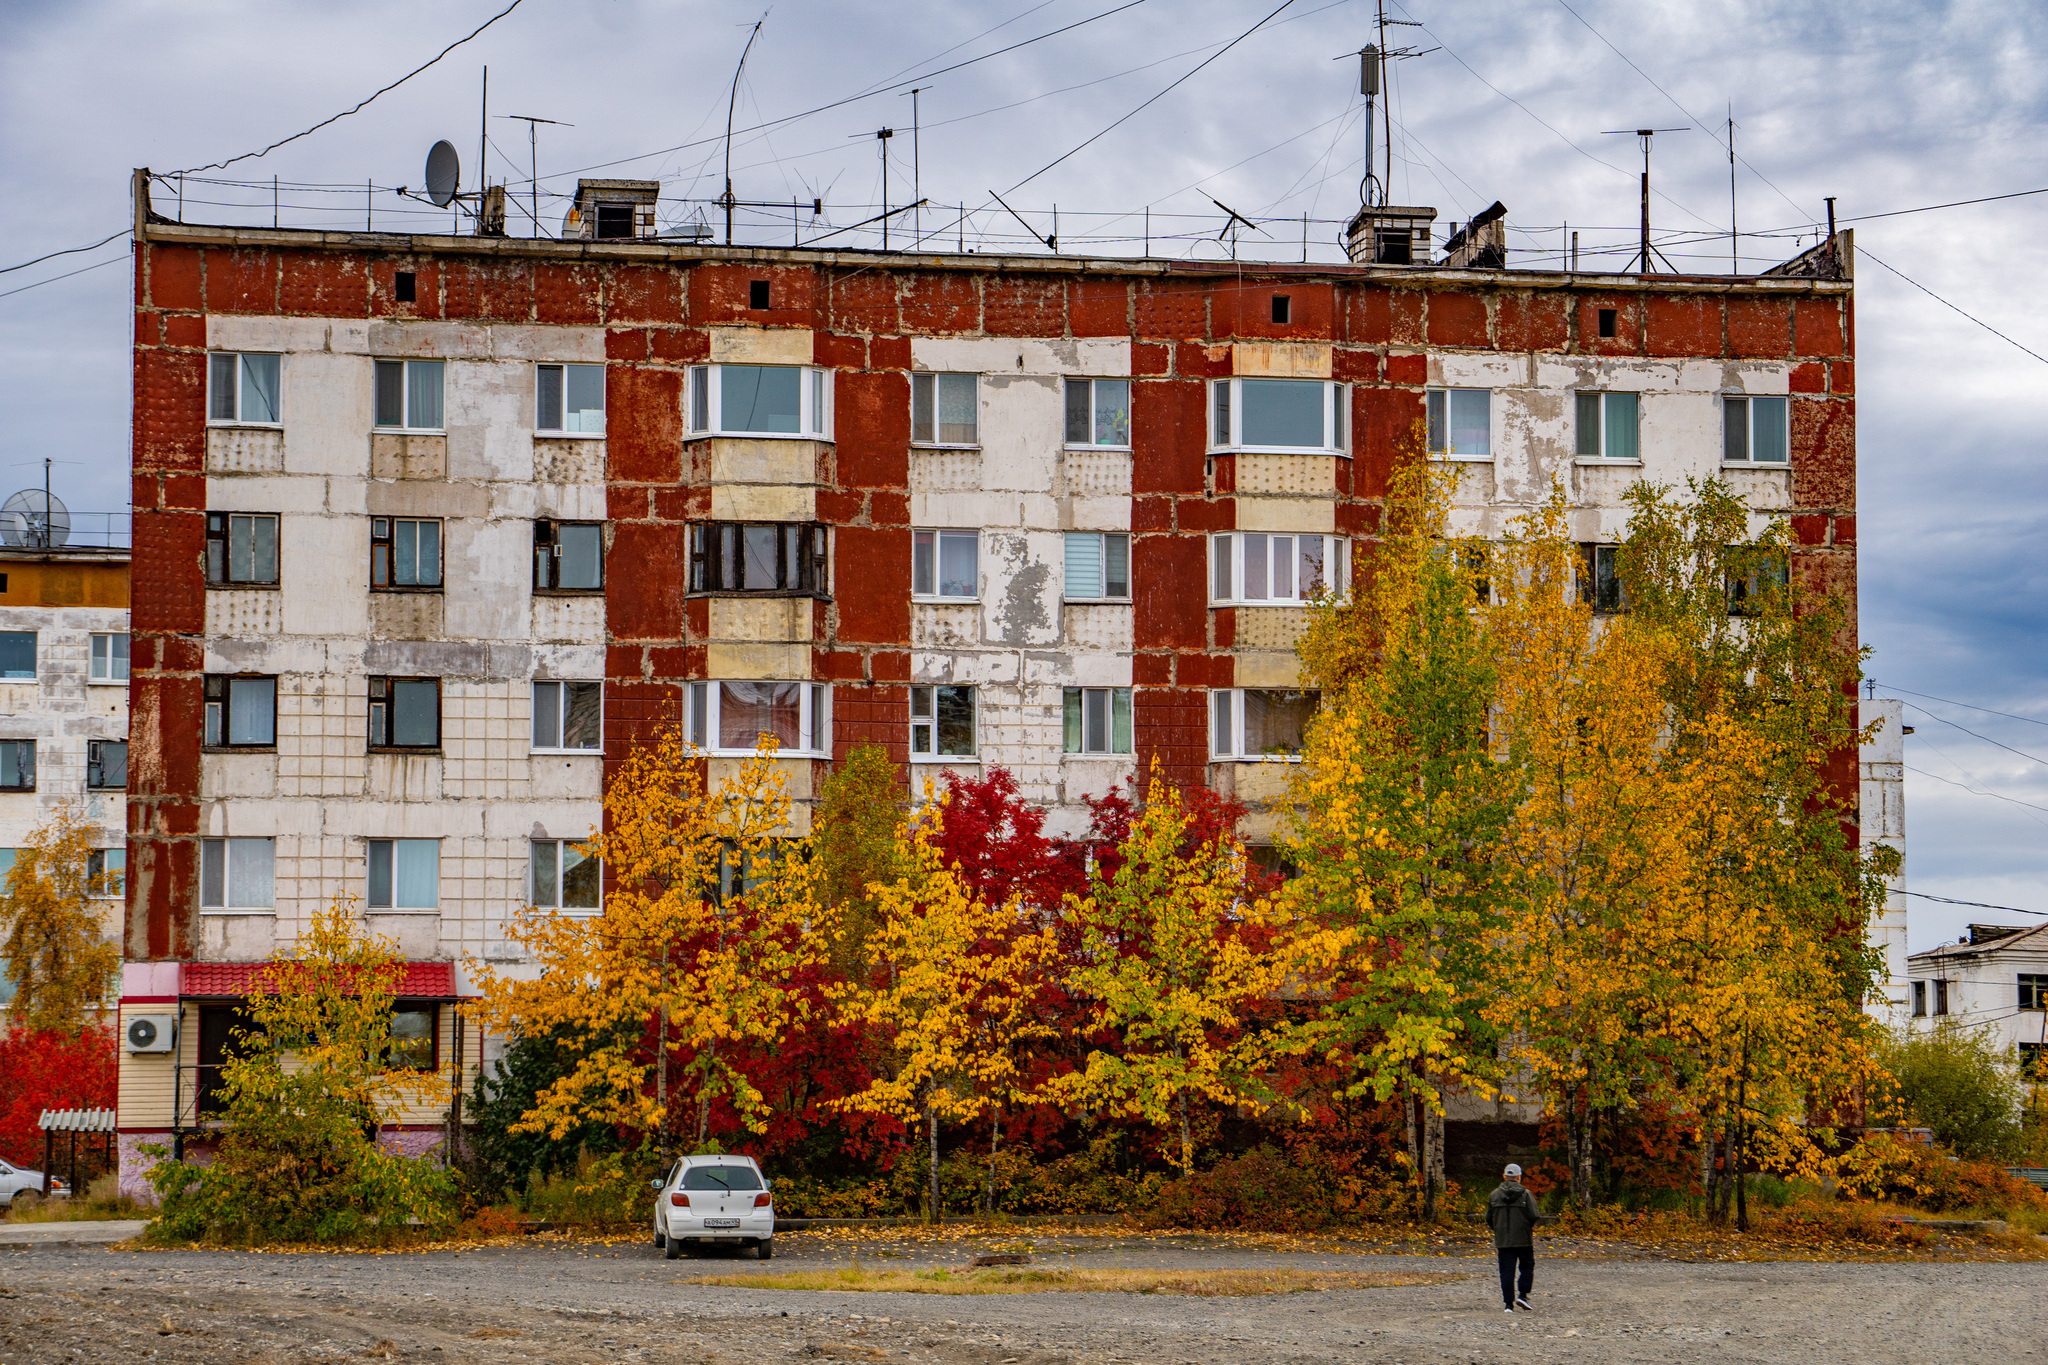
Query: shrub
{"type": "Point", "coordinates": [1958, 1082]}
{"type": "Point", "coordinates": [1260, 1189]}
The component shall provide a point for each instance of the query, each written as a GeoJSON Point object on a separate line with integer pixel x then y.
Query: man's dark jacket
{"type": "Point", "coordinates": [1512, 1214]}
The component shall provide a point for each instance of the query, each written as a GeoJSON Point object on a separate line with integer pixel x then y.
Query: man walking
{"type": "Point", "coordinates": [1512, 1214]}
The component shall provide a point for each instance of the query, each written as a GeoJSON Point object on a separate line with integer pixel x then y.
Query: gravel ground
{"type": "Point", "coordinates": [560, 1301]}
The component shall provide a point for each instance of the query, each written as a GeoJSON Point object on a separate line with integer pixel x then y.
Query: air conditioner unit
{"type": "Point", "coordinates": [152, 1033]}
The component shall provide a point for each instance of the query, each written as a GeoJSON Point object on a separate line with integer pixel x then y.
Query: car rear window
{"type": "Point", "coordinates": [721, 1178]}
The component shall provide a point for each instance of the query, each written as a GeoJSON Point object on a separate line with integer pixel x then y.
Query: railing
{"type": "Point", "coordinates": [88, 531]}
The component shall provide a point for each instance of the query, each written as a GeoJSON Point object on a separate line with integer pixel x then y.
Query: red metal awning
{"type": "Point", "coordinates": [235, 980]}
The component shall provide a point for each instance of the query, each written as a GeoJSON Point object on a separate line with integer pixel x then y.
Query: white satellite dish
{"type": "Point", "coordinates": [444, 173]}
{"type": "Point", "coordinates": [35, 518]}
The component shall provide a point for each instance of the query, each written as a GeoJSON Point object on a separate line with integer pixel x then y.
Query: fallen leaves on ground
{"type": "Point", "coordinates": [1013, 1280]}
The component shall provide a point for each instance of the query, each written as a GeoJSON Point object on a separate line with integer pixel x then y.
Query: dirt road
{"type": "Point", "coordinates": [571, 1302]}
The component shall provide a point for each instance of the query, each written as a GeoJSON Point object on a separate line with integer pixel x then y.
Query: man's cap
{"type": "Point", "coordinates": [1513, 1171]}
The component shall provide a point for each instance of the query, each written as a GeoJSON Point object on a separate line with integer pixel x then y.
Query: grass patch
{"type": "Point", "coordinates": [1207, 1284]}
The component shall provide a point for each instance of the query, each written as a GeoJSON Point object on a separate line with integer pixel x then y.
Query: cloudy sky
{"type": "Point", "coordinates": [1886, 106]}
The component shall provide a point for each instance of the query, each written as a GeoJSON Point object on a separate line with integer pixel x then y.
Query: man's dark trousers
{"type": "Point", "coordinates": [1509, 1257]}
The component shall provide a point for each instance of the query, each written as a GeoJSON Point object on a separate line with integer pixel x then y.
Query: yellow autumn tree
{"type": "Point", "coordinates": [690, 960]}
{"type": "Point", "coordinates": [954, 986]}
{"type": "Point", "coordinates": [60, 953]}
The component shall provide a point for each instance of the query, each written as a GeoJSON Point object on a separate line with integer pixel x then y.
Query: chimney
{"type": "Point", "coordinates": [1991, 933]}
{"type": "Point", "coordinates": [612, 209]}
{"type": "Point", "coordinates": [1387, 235]}
{"type": "Point", "coordinates": [1481, 244]}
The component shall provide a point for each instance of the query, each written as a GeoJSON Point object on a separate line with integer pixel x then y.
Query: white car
{"type": "Point", "coordinates": [13, 1180]}
{"type": "Point", "coordinates": [713, 1199]}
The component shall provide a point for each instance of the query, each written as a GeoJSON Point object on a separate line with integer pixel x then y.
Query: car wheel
{"type": "Point", "coordinates": [672, 1249]}
{"type": "Point", "coordinates": [660, 1241]}
{"type": "Point", "coordinates": [764, 1249]}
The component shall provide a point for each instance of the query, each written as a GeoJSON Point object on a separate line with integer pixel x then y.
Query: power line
{"type": "Point", "coordinates": [221, 165]}
{"type": "Point", "coordinates": [1974, 905]}
{"type": "Point", "coordinates": [1946, 304]}
{"type": "Point", "coordinates": [2031, 758]}
{"type": "Point", "coordinates": [97, 265]}
{"type": "Point", "coordinates": [1951, 701]}
{"type": "Point", "coordinates": [67, 251]}
{"type": "Point", "coordinates": [1975, 791]}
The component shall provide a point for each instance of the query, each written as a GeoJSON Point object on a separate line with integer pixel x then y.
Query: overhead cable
{"type": "Point", "coordinates": [67, 251]}
{"type": "Point", "coordinates": [97, 265]}
{"type": "Point", "coordinates": [1946, 304]}
{"type": "Point", "coordinates": [1975, 905]}
{"type": "Point", "coordinates": [2031, 758]}
{"type": "Point", "coordinates": [1967, 706]}
{"type": "Point", "coordinates": [1975, 791]}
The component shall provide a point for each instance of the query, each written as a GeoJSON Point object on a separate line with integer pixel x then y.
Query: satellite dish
{"type": "Point", "coordinates": [35, 518]}
{"type": "Point", "coordinates": [444, 173]}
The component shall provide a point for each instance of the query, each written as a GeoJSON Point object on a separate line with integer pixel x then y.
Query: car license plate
{"type": "Point", "coordinates": [721, 1222]}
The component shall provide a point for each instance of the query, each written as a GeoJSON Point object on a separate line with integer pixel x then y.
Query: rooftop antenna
{"type": "Point", "coordinates": [444, 174]}
{"type": "Point", "coordinates": [533, 153]}
{"type": "Point", "coordinates": [35, 517]}
{"type": "Point", "coordinates": [483, 140]}
{"type": "Point", "coordinates": [1734, 232]}
{"type": "Point", "coordinates": [1372, 64]}
{"type": "Point", "coordinates": [1230, 223]}
{"type": "Point", "coordinates": [1645, 260]}
{"type": "Point", "coordinates": [882, 136]}
{"type": "Point", "coordinates": [1052, 243]}
{"type": "Point", "coordinates": [730, 101]}
{"type": "Point", "coordinates": [916, 175]}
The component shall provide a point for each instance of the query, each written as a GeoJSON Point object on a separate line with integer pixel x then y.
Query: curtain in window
{"type": "Point", "coordinates": [748, 710]}
{"type": "Point", "coordinates": [417, 879]}
{"type": "Point", "coordinates": [252, 873]}
{"type": "Point", "coordinates": [1621, 426]}
{"type": "Point", "coordinates": [423, 394]}
{"type": "Point", "coordinates": [252, 710]}
{"type": "Point", "coordinates": [259, 388]}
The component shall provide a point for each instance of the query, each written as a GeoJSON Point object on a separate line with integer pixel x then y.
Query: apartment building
{"type": "Point", "coordinates": [1994, 978]}
{"type": "Point", "coordinates": [430, 529]}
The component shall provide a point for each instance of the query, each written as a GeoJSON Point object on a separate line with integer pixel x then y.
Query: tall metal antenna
{"type": "Point", "coordinates": [533, 153]}
{"type": "Point", "coordinates": [1372, 67]}
{"type": "Point", "coordinates": [882, 136]}
{"type": "Point", "coordinates": [916, 177]}
{"type": "Point", "coordinates": [483, 118]}
{"type": "Point", "coordinates": [1734, 231]}
{"type": "Point", "coordinates": [1645, 260]}
{"type": "Point", "coordinates": [731, 100]}
{"type": "Point", "coordinates": [1230, 223]}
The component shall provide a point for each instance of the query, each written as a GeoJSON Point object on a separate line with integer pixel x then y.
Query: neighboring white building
{"type": "Point", "coordinates": [1882, 808]}
{"type": "Point", "coordinates": [1996, 978]}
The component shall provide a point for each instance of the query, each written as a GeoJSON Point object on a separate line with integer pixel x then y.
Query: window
{"type": "Point", "coordinates": [2034, 1062]}
{"type": "Point", "coordinates": [405, 713]}
{"type": "Point", "coordinates": [941, 722]}
{"type": "Point", "coordinates": [1266, 569]}
{"type": "Point", "coordinates": [1600, 578]}
{"type": "Point", "coordinates": [409, 394]}
{"type": "Point", "coordinates": [109, 658]}
{"type": "Point", "coordinates": [757, 293]}
{"type": "Point", "coordinates": [944, 565]}
{"type": "Point", "coordinates": [242, 389]}
{"type": "Point", "coordinates": [405, 874]}
{"type": "Point", "coordinates": [1461, 423]}
{"type": "Point", "coordinates": [106, 872]}
{"type": "Point", "coordinates": [568, 716]}
{"type": "Point", "coordinates": [2033, 991]}
{"type": "Point", "coordinates": [568, 556]}
{"type": "Point", "coordinates": [241, 712]}
{"type": "Point", "coordinates": [1282, 307]}
{"type": "Point", "coordinates": [945, 410]}
{"type": "Point", "coordinates": [730, 718]}
{"type": "Point", "coordinates": [720, 1179]}
{"type": "Point", "coordinates": [1255, 723]}
{"type": "Point", "coordinates": [1098, 720]}
{"type": "Point", "coordinates": [1753, 430]}
{"type": "Point", "coordinates": [563, 879]}
{"type": "Point", "coordinates": [1279, 414]}
{"type": "Point", "coordinates": [1941, 997]}
{"type": "Point", "coordinates": [768, 557]}
{"type": "Point", "coordinates": [106, 765]}
{"type": "Point", "coordinates": [405, 555]}
{"type": "Point", "coordinates": [760, 400]}
{"type": "Point", "coordinates": [241, 548]}
{"type": "Point", "coordinates": [1608, 319]}
{"type": "Point", "coordinates": [414, 1036]}
{"type": "Point", "coordinates": [569, 400]}
{"type": "Point", "coordinates": [1919, 999]}
{"type": "Point", "coordinates": [1607, 426]}
{"type": "Point", "coordinates": [1748, 593]}
{"type": "Point", "coordinates": [1099, 412]}
{"type": "Point", "coordinates": [237, 874]}
{"type": "Point", "coordinates": [17, 765]}
{"type": "Point", "coordinates": [1098, 566]}
{"type": "Point", "coordinates": [407, 288]}
{"type": "Point", "coordinates": [742, 872]}
{"type": "Point", "coordinates": [18, 654]}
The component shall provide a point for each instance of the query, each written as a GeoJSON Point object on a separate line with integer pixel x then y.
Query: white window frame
{"type": "Point", "coordinates": [108, 666]}
{"type": "Point", "coordinates": [1336, 417]}
{"type": "Point", "coordinates": [702, 402]}
{"type": "Point", "coordinates": [561, 688]}
{"type": "Point", "coordinates": [1603, 457]}
{"type": "Point", "coordinates": [1751, 416]}
{"type": "Point", "coordinates": [563, 847]}
{"type": "Point", "coordinates": [1116, 699]}
{"type": "Point", "coordinates": [938, 536]}
{"type": "Point", "coordinates": [1091, 381]}
{"type": "Point", "coordinates": [405, 394]}
{"type": "Point", "coordinates": [1232, 750]}
{"type": "Point", "coordinates": [113, 862]}
{"type": "Point", "coordinates": [934, 380]}
{"type": "Point", "coordinates": [230, 902]}
{"type": "Point", "coordinates": [929, 723]}
{"type": "Point", "coordinates": [559, 369]}
{"type": "Point", "coordinates": [392, 907]}
{"type": "Point", "coordinates": [814, 718]}
{"type": "Point", "coordinates": [1227, 553]}
{"type": "Point", "coordinates": [1442, 445]}
{"type": "Point", "coordinates": [242, 359]}
{"type": "Point", "coordinates": [1102, 584]}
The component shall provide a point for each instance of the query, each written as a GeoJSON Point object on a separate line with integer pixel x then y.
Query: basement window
{"type": "Point", "coordinates": [106, 765]}
{"type": "Point", "coordinates": [106, 872]}
{"type": "Point", "coordinates": [237, 874]}
{"type": "Point", "coordinates": [1608, 426]}
{"type": "Point", "coordinates": [1097, 719]}
{"type": "Point", "coordinates": [409, 394]}
{"type": "Point", "coordinates": [405, 555]}
{"type": "Point", "coordinates": [17, 765]}
{"type": "Point", "coordinates": [242, 389]}
{"type": "Point", "coordinates": [561, 878]}
{"type": "Point", "coordinates": [241, 549]}
{"type": "Point", "coordinates": [1099, 413]}
{"type": "Point", "coordinates": [945, 409]}
{"type": "Point", "coordinates": [1260, 724]}
{"type": "Point", "coordinates": [1098, 566]}
{"type": "Point", "coordinates": [760, 400]}
{"type": "Point", "coordinates": [405, 874]}
{"type": "Point", "coordinates": [784, 558]}
{"type": "Point", "coordinates": [405, 714]}
{"type": "Point", "coordinates": [732, 719]}
{"type": "Point", "coordinates": [1460, 424]}
{"type": "Point", "coordinates": [568, 717]}
{"type": "Point", "coordinates": [241, 712]}
{"type": "Point", "coordinates": [569, 400]}
{"type": "Point", "coordinates": [18, 654]}
{"type": "Point", "coordinates": [1280, 415]}
{"type": "Point", "coordinates": [109, 658]}
{"type": "Point", "coordinates": [944, 566]}
{"type": "Point", "coordinates": [1754, 430]}
{"type": "Point", "coordinates": [568, 556]}
{"type": "Point", "coordinates": [1259, 568]}
{"type": "Point", "coordinates": [941, 723]}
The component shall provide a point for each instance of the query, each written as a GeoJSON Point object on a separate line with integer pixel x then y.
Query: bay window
{"type": "Point", "coordinates": [1260, 724]}
{"type": "Point", "coordinates": [760, 400]}
{"type": "Point", "coordinates": [1283, 415]}
{"type": "Point", "coordinates": [759, 557]}
{"type": "Point", "coordinates": [730, 719]}
{"type": "Point", "coordinates": [1264, 568]}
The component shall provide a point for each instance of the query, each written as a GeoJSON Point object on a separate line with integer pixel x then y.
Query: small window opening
{"type": "Point", "coordinates": [757, 293]}
{"type": "Point", "coordinates": [406, 288]}
{"type": "Point", "coordinates": [1607, 319]}
{"type": "Point", "coordinates": [1282, 307]}
{"type": "Point", "coordinates": [614, 220]}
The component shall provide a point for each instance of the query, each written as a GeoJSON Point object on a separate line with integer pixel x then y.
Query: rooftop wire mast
{"type": "Point", "coordinates": [730, 101]}
{"type": "Point", "coordinates": [1372, 62]}
{"type": "Point", "coordinates": [1645, 260]}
